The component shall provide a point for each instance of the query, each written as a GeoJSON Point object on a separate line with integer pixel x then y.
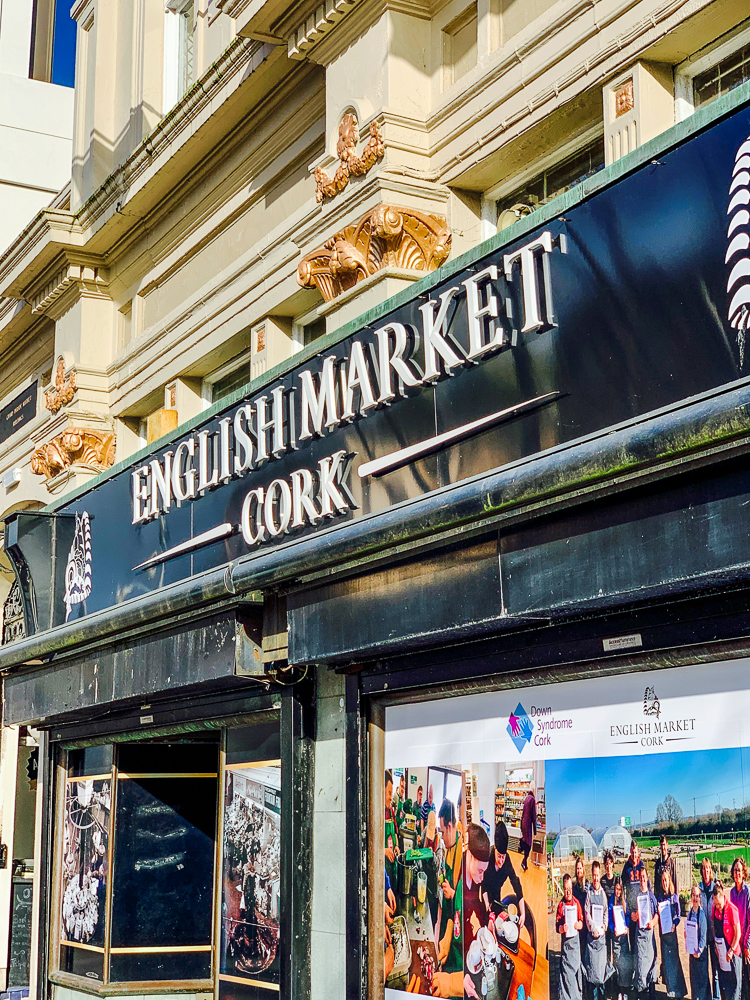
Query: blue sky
{"type": "Point", "coordinates": [597, 792]}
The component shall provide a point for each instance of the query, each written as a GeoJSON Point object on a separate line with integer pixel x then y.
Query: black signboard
{"type": "Point", "coordinates": [18, 411]}
{"type": "Point", "coordinates": [628, 303]}
{"type": "Point", "coordinates": [20, 933]}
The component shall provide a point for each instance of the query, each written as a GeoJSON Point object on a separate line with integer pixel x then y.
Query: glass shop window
{"type": "Point", "coordinates": [550, 183]}
{"type": "Point", "coordinates": [138, 883]}
{"type": "Point", "coordinates": [231, 382]}
{"type": "Point", "coordinates": [250, 953]}
{"type": "Point", "coordinates": [723, 77]}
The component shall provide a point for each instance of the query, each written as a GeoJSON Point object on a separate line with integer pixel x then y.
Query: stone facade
{"type": "Point", "coordinates": [231, 200]}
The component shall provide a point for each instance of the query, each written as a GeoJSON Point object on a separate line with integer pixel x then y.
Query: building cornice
{"type": "Point", "coordinates": [138, 185]}
{"type": "Point", "coordinates": [66, 285]}
{"type": "Point", "coordinates": [543, 52]}
{"type": "Point", "coordinates": [48, 235]}
{"type": "Point", "coordinates": [230, 68]}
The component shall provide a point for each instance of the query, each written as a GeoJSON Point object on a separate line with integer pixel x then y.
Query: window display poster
{"type": "Point", "coordinates": [251, 877]}
{"type": "Point", "coordinates": [85, 860]}
{"type": "Point", "coordinates": [524, 803]}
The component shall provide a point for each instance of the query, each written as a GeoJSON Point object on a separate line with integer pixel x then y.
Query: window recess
{"type": "Point", "coordinates": [53, 42]}
{"type": "Point", "coordinates": [723, 77]}
{"type": "Point", "coordinates": [460, 46]}
{"type": "Point", "coordinates": [551, 182]}
{"type": "Point", "coordinates": [712, 71]}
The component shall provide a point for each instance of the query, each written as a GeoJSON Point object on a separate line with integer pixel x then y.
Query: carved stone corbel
{"type": "Point", "coordinates": [94, 449]}
{"type": "Point", "coordinates": [384, 237]}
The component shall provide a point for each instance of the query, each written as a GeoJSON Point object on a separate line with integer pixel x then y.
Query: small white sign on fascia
{"type": "Point", "coordinates": [622, 642]}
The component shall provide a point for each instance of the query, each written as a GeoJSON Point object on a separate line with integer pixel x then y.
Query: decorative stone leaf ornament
{"type": "Point", "coordinates": [79, 445]}
{"type": "Point", "coordinates": [64, 389]}
{"type": "Point", "coordinates": [350, 165]}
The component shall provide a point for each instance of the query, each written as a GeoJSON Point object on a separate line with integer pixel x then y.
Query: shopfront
{"type": "Point", "coordinates": [509, 506]}
{"type": "Point", "coordinates": [169, 829]}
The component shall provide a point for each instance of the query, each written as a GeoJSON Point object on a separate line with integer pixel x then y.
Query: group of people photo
{"type": "Point", "coordinates": [457, 912]}
{"type": "Point", "coordinates": [622, 934]}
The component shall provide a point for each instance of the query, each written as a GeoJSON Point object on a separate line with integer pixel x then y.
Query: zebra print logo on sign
{"type": "Point", "coordinates": [738, 251]}
{"type": "Point", "coordinates": [78, 567]}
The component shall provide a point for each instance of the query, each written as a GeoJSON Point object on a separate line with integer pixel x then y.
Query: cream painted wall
{"type": "Point", "coordinates": [518, 14]}
{"type": "Point", "coordinates": [15, 37]}
{"type": "Point", "coordinates": [36, 126]}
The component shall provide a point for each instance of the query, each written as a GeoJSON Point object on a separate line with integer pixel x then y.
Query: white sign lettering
{"type": "Point", "coordinates": [334, 391]}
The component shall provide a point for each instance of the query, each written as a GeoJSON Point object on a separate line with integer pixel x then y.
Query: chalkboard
{"type": "Point", "coordinates": [20, 933]}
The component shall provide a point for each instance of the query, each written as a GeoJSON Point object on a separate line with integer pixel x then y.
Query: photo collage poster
{"type": "Point", "coordinates": [517, 825]}
{"type": "Point", "coordinates": [251, 875]}
{"type": "Point", "coordinates": [85, 861]}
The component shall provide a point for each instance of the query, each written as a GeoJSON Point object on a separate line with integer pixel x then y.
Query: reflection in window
{"type": "Point", "coordinates": [315, 330]}
{"type": "Point", "coordinates": [186, 64]}
{"type": "Point", "coordinates": [551, 182]}
{"type": "Point", "coordinates": [137, 872]}
{"type": "Point", "coordinates": [723, 77]}
{"type": "Point", "coordinates": [230, 383]}
{"type": "Point", "coordinates": [53, 42]}
{"type": "Point", "coordinates": [251, 864]}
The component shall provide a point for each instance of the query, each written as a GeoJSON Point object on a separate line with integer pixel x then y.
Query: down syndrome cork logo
{"type": "Point", "coordinates": [520, 727]}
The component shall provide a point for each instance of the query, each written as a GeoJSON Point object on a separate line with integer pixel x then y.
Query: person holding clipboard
{"type": "Point", "coordinates": [727, 935]}
{"type": "Point", "coordinates": [739, 894]}
{"type": "Point", "coordinates": [622, 953]}
{"type": "Point", "coordinates": [696, 939]}
{"type": "Point", "coordinates": [569, 923]}
{"type": "Point", "coordinates": [706, 886]}
{"type": "Point", "coordinates": [645, 917]}
{"type": "Point", "coordinates": [595, 965]}
{"type": "Point", "coordinates": [668, 904]}
{"type": "Point", "coordinates": [581, 886]}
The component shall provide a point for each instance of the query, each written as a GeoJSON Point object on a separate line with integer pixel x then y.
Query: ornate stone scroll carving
{"type": "Point", "coordinates": [385, 237]}
{"type": "Point", "coordinates": [76, 445]}
{"type": "Point", "coordinates": [14, 626]}
{"type": "Point", "coordinates": [350, 165]}
{"type": "Point", "coordinates": [64, 390]}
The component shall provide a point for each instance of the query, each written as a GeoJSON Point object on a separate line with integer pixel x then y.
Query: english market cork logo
{"type": "Point", "coordinates": [78, 566]}
{"type": "Point", "coordinates": [656, 733]}
{"type": "Point", "coordinates": [651, 704]}
{"type": "Point", "coordinates": [520, 727]}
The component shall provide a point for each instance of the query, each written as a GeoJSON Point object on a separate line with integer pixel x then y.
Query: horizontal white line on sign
{"type": "Point", "coordinates": [389, 462]}
{"type": "Point", "coordinates": [205, 538]}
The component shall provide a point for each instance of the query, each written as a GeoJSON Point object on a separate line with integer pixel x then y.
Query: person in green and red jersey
{"type": "Point", "coordinates": [399, 810]}
{"type": "Point", "coordinates": [449, 981]}
{"type": "Point", "coordinates": [391, 834]}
